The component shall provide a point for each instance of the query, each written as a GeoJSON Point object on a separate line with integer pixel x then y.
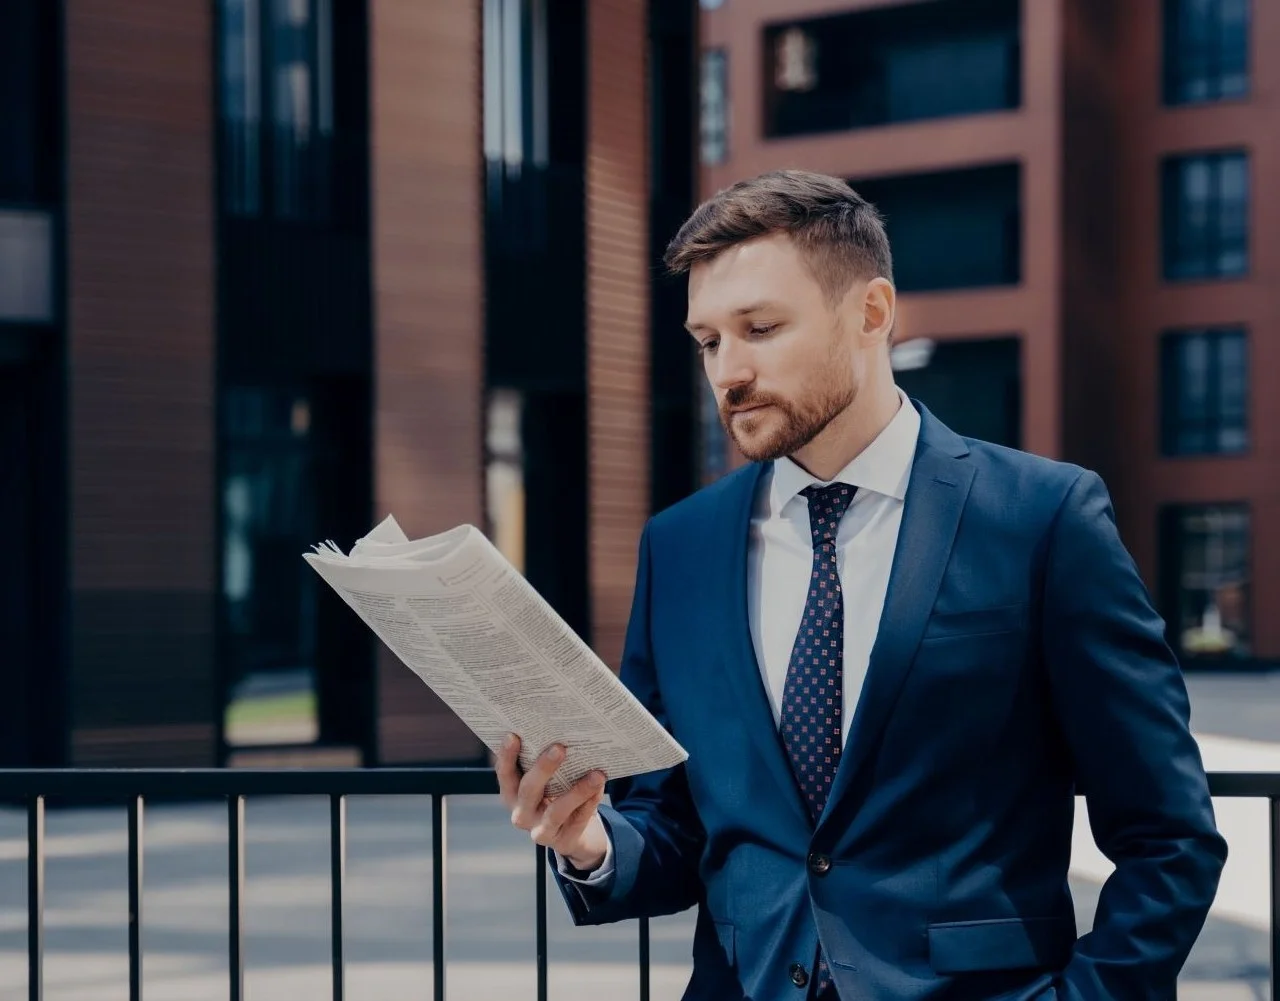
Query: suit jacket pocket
{"type": "Point", "coordinates": [1002, 944]}
{"type": "Point", "coordinates": [976, 622]}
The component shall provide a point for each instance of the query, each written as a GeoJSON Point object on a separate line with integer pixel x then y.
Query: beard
{"type": "Point", "coordinates": [800, 421]}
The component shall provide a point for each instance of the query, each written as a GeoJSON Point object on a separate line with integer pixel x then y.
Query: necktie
{"type": "Point", "coordinates": [811, 700]}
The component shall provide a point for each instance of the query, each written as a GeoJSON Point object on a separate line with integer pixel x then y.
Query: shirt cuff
{"type": "Point", "coordinates": [597, 877]}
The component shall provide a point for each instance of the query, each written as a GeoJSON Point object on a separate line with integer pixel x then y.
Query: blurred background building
{"type": "Point", "coordinates": [271, 269]}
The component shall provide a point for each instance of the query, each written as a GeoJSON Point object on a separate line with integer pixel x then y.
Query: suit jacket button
{"type": "Point", "coordinates": [798, 975]}
{"type": "Point", "coordinates": [819, 864]}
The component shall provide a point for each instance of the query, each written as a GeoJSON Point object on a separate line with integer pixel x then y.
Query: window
{"type": "Point", "coordinates": [1204, 392]}
{"type": "Point", "coordinates": [276, 107]}
{"type": "Point", "coordinates": [29, 97]}
{"type": "Point", "coordinates": [270, 515]}
{"type": "Point", "coordinates": [1206, 215]}
{"type": "Point", "coordinates": [951, 229]}
{"type": "Point", "coordinates": [714, 117]}
{"type": "Point", "coordinates": [713, 443]}
{"type": "Point", "coordinates": [973, 386]}
{"type": "Point", "coordinates": [1206, 50]}
{"type": "Point", "coordinates": [896, 64]}
{"type": "Point", "coordinates": [26, 267]}
{"type": "Point", "coordinates": [1206, 579]}
{"type": "Point", "coordinates": [516, 110]}
{"type": "Point", "coordinates": [504, 475]}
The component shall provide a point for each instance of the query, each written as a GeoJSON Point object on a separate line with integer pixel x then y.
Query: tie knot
{"type": "Point", "coordinates": [827, 506]}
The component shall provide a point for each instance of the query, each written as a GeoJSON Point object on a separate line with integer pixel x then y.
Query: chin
{"type": "Point", "coordinates": [758, 447]}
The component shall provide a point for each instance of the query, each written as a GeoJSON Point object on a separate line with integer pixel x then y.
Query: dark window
{"type": "Point", "coordinates": [1206, 215]}
{"type": "Point", "coordinates": [714, 118]}
{"type": "Point", "coordinates": [29, 147]}
{"type": "Point", "coordinates": [973, 386]}
{"type": "Point", "coordinates": [1206, 50]}
{"type": "Point", "coordinates": [1204, 392]}
{"type": "Point", "coordinates": [276, 107]}
{"type": "Point", "coordinates": [713, 444]}
{"type": "Point", "coordinates": [951, 229]}
{"type": "Point", "coordinates": [899, 64]}
{"type": "Point", "coordinates": [1205, 552]}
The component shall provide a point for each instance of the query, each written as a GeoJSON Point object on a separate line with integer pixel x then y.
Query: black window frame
{"type": "Point", "coordinates": [1207, 57]}
{"type": "Point", "coordinates": [1179, 428]}
{"type": "Point", "coordinates": [1191, 252]}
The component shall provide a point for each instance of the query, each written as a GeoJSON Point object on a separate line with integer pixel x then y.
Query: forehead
{"type": "Point", "coordinates": [768, 268]}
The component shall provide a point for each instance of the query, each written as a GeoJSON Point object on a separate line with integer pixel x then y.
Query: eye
{"type": "Point", "coordinates": [762, 329]}
{"type": "Point", "coordinates": [708, 346]}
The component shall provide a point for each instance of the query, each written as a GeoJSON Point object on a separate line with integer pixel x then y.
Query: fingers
{"type": "Point", "coordinates": [533, 787]}
{"type": "Point", "coordinates": [575, 805]}
{"type": "Point", "coordinates": [508, 768]}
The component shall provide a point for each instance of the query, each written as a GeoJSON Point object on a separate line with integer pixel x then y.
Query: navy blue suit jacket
{"type": "Point", "coordinates": [1018, 662]}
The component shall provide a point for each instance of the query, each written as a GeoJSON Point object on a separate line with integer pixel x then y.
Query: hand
{"type": "Point", "coordinates": [568, 824]}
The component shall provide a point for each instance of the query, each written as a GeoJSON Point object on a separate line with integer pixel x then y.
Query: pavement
{"type": "Point", "coordinates": [489, 931]}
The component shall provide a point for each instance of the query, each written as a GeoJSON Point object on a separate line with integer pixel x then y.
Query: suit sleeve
{"type": "Point", "coordinates": [656, 836]}
{"type": "Point", "coordinates": [1122, 704]}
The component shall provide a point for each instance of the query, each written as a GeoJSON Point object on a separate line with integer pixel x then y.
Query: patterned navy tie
{"type": "Point", "coordinates": [811, 701]}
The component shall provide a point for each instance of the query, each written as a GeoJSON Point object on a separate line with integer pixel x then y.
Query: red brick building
{"type": "Point", "coordinates": [270, 269]}
{"type": "Point", "coordinates": [1086, 244]}
{"type": "Point", "coordinates": [274, 268]}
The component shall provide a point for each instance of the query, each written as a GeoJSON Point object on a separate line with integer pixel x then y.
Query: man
{"type": "Point", "coordinates": [894, 656]}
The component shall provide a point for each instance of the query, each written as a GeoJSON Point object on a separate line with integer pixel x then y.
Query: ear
{"type": "Point", "coordinates": [879, 304]}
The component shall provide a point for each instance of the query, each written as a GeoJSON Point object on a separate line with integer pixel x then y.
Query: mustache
{"type": "Point", "coordinates": [741, 397]}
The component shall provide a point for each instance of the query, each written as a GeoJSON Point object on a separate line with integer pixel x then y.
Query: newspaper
{"type": "Point", "coordinates": [464, 620]}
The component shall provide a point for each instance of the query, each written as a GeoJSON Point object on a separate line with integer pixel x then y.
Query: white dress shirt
{"type": "Point", "coordinates": [780, 561]}
{"type": "Point", "coordinates": [780, 556]}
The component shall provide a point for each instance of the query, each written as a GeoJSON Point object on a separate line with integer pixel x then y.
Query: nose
{"type": "Point", "coordinates": [730, 366]}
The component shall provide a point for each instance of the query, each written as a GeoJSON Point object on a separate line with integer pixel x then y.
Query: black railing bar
{"type": "Point", "coordinates": [235, 882]}
{"type": "Point", "coordinates": [1245, 785]}
{"type": "Point", "coordinates": [1275, 897]}
{"type": "Point", "coordinates": [644, 959]}
{"type": "Point", "coordinates": [437, 893]}
{"type": "Point", "coordinates": [35, 899]}
{"type": "Point", "coordinates": [540, 917]}
{"type": "Point", "coordinates": [337, 875]}
{"type": "Point", "coordinates": [106, 785]}
{"type": "Point", "coordinates": [135, 897]}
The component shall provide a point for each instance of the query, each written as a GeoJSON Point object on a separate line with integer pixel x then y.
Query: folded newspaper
{"type": "Point", "coordinates": [463, 619]}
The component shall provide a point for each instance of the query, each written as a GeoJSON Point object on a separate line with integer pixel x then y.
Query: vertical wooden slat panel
{"type": "Point", "coordinates": [617, 310]}
{"type": "Point", "coordinates": [428, 287]}
{"type": "Point", "coordinates": [140, 287]}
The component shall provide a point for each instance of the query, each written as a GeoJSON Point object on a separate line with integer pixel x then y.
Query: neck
{"type": "Point", "coordinates": [848, 435]}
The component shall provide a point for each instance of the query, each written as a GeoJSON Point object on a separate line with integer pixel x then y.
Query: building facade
{"type": "Point", "coordinates": [272, 269]}
{"type": "Point", "coordinates": [1085, 245]}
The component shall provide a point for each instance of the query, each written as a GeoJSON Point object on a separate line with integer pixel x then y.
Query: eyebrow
{"type": "Point", "coordinates": [755, 307]}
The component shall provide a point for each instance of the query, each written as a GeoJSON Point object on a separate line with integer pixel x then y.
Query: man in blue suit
{"type": "Point", "coordinates": [894, 655]}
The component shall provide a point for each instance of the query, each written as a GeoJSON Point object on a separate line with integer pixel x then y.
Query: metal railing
{"type": "Point", "coordinates": [134, 787]}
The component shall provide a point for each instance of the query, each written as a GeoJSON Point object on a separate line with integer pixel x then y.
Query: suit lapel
{"type": "Point", "coordinates": [739, 664]}
{"type": "Point", "coordinates": [936, 495]}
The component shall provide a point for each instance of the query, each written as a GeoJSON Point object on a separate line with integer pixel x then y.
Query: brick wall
{"type": "Point", "coordinates": [429, 330]}
{"type": "Point", "coordinates": [617, 311]}
{"type": "Point", "coordinates": [140, 301]}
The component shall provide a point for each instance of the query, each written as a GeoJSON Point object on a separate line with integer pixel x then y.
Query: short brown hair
{"type": "Point", "coordinates": [838, 231]}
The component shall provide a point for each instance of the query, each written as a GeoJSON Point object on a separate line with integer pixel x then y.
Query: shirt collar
{"type": "Point", "coordinates": [883, 467]}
